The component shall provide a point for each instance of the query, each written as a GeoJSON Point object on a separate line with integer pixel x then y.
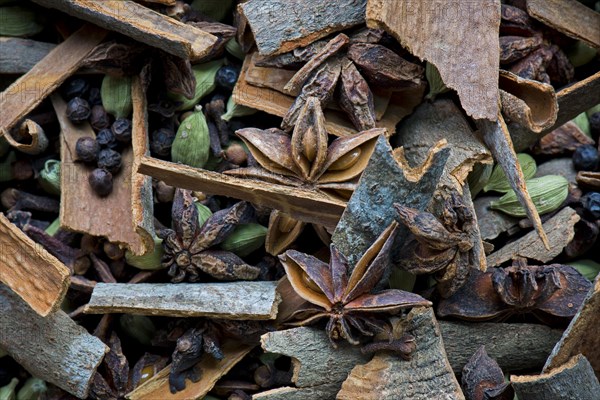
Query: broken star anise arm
{"type": "Point", "coordinates": [356, 98]}
{"type": "Point", "coordinates": [219, 225]}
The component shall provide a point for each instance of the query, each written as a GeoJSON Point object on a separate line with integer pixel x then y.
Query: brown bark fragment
{"type": "Point", "coordinates": [30, 271]}
{"type": "Point", "coordinates": [20, 55]}
{"type": "Point", "coordinates": [459, 37]}
{"type": "Point", "coordinates": [492, 223]}
{"type": "Point", "coordinates": [563, 140]}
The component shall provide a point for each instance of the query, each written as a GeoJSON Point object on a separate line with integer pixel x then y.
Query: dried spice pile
{"type": "Point", "coordinates": [285, 199]}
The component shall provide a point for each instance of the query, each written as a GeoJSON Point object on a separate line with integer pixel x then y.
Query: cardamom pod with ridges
{"type": "Point", "coordinates": [233, 47]}
{"type": "Point", "coordinates": [19, 22]}
{"type": "Point", "coordinates": [192, 142]}
{"type": "Point", "coordinates": [204, 213]}
{"type": "Point", "coordinates": [245, 239]}
{"type": "Point", "coordinates": [116, 95]}
{"type": "Point", "coordinates": [7, 392]}
{"type": "Point", "coordinates": [148, 262]}
{"type": "Point", "coordinates": [49, 178]}
{"type": "Point", "coordinates": [205, 83]}
{"type": "Point", "coordinates": [236, 110]}
{"type": "Point", "coordinates": [498, 181]}
{"type": "Point", "coordinates": [33, 388]}
{"type": "Point", "coordinates": [583, 123]}
{"type": "Point", "coordinates": [547, 193]}
{"type": "Point", "coordinates": [479, 177]}
{"type": "Point", "coordinates": [588, 268]}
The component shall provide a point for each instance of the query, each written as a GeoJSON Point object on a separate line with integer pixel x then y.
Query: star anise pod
{"type": "Point", "coordinates": [347, 299]}
{"type": "Point", "coordinates": [305, 159]}
{"type": "Point", "coordinates": [551, 293]}
{"type": "Point", "coordinates": [284, 230]}
{"type": "Point", "coordinates": [187, 247]}
{"type": "Point", "coordinates": [439, 245]}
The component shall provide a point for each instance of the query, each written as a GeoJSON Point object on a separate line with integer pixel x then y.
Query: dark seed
{"type": "Point", "coordinates": [78, 110]}
{"type": "Point", "coordinates": [106, 139]}
{"type": "Point", "coordinates": [595, 125]}
{"type": "Point", "coordinates": [122, 130]}
{"type": "Point", "coordinates": [586, 158]}
{"type": "Point", "coordinates": [162, 140]}
{"type": "Point", "coordinates": [87, 149]}
{"type": "Point", "coordinates": [591, 202]}
{"type": "Point", "coordinates": [77, 87]}
{"type": "Point", "coordinates": [227, 76]}
{"type": "Point", "coordinates": [109, 160]}
{"type": "Point", "coordinates": [99, 118]}
{"type": "Point", "coordinates": [95, 98]}
{"type": "Point", "coordinates": [101, 182]}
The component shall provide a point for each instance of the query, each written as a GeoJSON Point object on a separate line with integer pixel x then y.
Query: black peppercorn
{"type": "Point", "coordinates": [110, 160]}
{"type": "Point", "coordinates": [95, 97]}
{"type": "Point", "coordinates": [106, 139]}
{"type": "Point", "coordinates": [77, 87]}
{"type": "Point", "coordinates": [586, 158]}
{"type": "Point", "coordinates": [591, 202]}
{"type": "Point", "coordinates": [162, 140]}
{"type": "Point", "coordinates": [122, 130]}
{"type": "Point", "coordinates": [99, 118]}
{"type": "Point", "coordinates": [595, 125]}
{"type": "Point", "coordinates": [227, 76]}
{"type": "Point", "coordinates": [78, 110]}
{"type": "Point", "coordinates": [87, 149]}
{"type": "Point", "coordinates": [101, 182]}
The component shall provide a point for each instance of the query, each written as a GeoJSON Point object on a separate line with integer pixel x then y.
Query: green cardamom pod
{"type": "Point", "coordinates": [138, 327]}
{"type": "Point", "coordinates": [436, 84]}
{"type": "Point", "coordinates": [148, 262]}
{"type": "Point", "coordinates": [116, 95]}
{"type": "Point", "coordinates": [49, 178]}
{"type": "Point", "coordinates": [236, 110]}
{"type": "Point", "coordinates": [580, 54]}
{"type": "Point", "coordinates": [498, 181]}
{"type": "Point", "coordinates": [589, 112]}
{"type": "Point", "coordinates": [233, 47]}
{"type": "Point", "coordinates": [53, 227]}
{"type": "Point", "coordinates": [479, 177]}
{"type": "Point", "coordinates": [6, 167]}
{"type": "Point", "coordinates": [588, 268]}
{"type": "Point", "coordinates": [547, 193]}
{"type": "Point", "coordinates": [19, 22]}
{"type": "Point", "coordinates": [32, 389]}
{"type": "Point", "coordinates": [8, 392]}
{"type": "Point", "coordinates": [583, 123]}
{"type": "Point", "coordinates": [204, 213]}
{"type": "Point", "coordinates": [205, 83]}
{"type": "Point", "coordinates": [191, 145]}
{"type": "Point", "coordinates": [245, 239]}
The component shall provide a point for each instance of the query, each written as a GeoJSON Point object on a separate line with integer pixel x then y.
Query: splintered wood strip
{"type": "Point", "coordinates": [498, 140]}
{"type": "Point", "coordinates": [326, 391]}
{"type": "Point", "coordinates": [142, 203]}
{"type": "Point", "coordinates": [574, 379]}
{"type": "Point", "coordinates": [384, 182]}
{"type": "Point", "coordinates": [427, 375]}
{"type": "Point", "coordinates": [569, 17]}
{"type": "Point", "coordinates": [211, 371]}
{"type": "Point", "coordinates": [458, 37]}
{"type": "Point", "coordinates": [280, 26]}
{"type": "Point", "coordinates": [302, 204]}
{"type": "Point", "coordinates": [226, 300]}
{"type": "Point", "coordinates": [578, 338]}
{"type": "Point", "coordinates": [140, 23]}
{"type": "Point", "coordinates": [30, 271]}
{"type": "Point", "coordinates": [52, 348]}
{"type": "Point", "coordinates": [81, 209]}
{"type": "Point", "coordinates": [560, 229]}
{"type": "Point", "coordinates": [30, 89]}
{"type": "Point", "coordinates": [163, 2]}
{"type": "Point", "coordinates": [20, 55]}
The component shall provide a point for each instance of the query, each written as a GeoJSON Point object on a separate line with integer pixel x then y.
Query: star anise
{"type": "Point", "coordinates": [305, 159]}
{"type": "Point", "coordinates": [188, 250]}
{"type": "Point", "coordinates": [284, 230]}
{"type": "Point", "coordinates": [442, 246]}
{"type": "Point", "coordinates": [347, 300]}
{"type": "Point", "coordinates": [551, 293]}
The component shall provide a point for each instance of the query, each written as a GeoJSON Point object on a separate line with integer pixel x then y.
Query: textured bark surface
{"type": "Point", "coordinates": [569, 17]}
{"type": "Point", "coordinates": [24, 94]}
{"type": "Point", "coordinates": [560, 230]}
{"type": "Point", "coordinates": [140, 23]}
{"type": "Point", "coordinates": [20, 55]}
{"type": "Point", "coordinates": [579, 338]}
{"type": "Point", "coordinates": [81, 209]}
{"type": "Point", "coordinates": [383, 183]}
{"type": "Point", "coordinates": [30, 271]}
{"type": "Point", "coordinates": [491, 222]}
{"type": "Point", "coordinates": [231, 300]}
{"type": "Point", "coordinates": [211, 371]}
{"type": "Point", "coordinates": [455, 37]}
{"type": "Point", "coordinates": [280, 26]}
{"type": "Point", "coordinates": [427, 375]}
{"type": "Point", "coordinates": [573, 380]}
{"type": "Point", "coordinates": [52, 348]}
{"type": "Point", "coordinates": [322, 392]}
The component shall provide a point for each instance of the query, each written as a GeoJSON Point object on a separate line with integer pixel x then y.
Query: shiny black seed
{"type": "Point", "coordinates": [162, 140]}
{"type": "Point", "coordinates": [87, 149]}
{"type": "Point", "coordinates": [591, 202]}
{"type": "Point", "coordinates": [586, 158]}
{"type": "Point", "coordinates": [595, 125]}
{"type": "Point", "coordinates": [99, 118]}
{"type": "Point", "coordinates": [77, 87]}
{"type": "Point", "coordinates": [106, 139]}
{"type": "Point", "coordinates": [110, 160]}
{"type": "Point", "coordinates": [78, 110]}
{"type": "Point", "coordinates": [101, 182]}
{"type": "Point", "coordinates": [227, 76]}
{"type": "Point", "coordinates": [122, 130]}
{"type": "Point", "coordinates": [95, 98]}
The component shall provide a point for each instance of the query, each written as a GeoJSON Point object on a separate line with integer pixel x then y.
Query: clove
{"type": "Point", "coordinates": [102, 269]}
{"type": "Point", "coordinates": [14, 199]}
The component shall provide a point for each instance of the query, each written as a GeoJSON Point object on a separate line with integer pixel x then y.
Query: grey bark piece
{"type": "Point", "coordinates": [231, 300]}
{"type": "Point", "coordinates": [572, 380]}
{"type": "Point", "coordinates": [491, 222]}
{"type": "Point", "coordinates": [558, 166]}
{"type": "Point", "coordinates": [53, 348]}
{"type": "Point", "coordinates": [322, 392]}
{"type": "Point", "coordinates": [280, 26]}
{"type": "Point", "coordinates": [18, 56]}
{"type": "Point", "coordinates": [427, 375]}
{"type": "Point", "coordinates": [370, 209]}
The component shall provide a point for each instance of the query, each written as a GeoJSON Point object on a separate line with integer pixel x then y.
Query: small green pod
{"type": "Point", "coordinates": [233, 47]}
{"type": "Point", "coordinates": [547, 193]}
{"type": "Point", "coordinates": [245, 239]}
{"type": "Point", "coordinates": [236, 110]}
{"type": "Point", "coordinates": [116, 95]}
{"type": "Point", "coordinates": [49, 178]}
{"type": "Point", "coordinates": [147, 262]}
{"type": "Point", "coordinates": [583, 123]}
{"type": "Point", "coordinates": [7, 392]}
{"type": "Point", "coordinates": [588, 268]}
{"type": "Point", "coordinates": [436, 84]}
{"type": "Point", "coordinates": [479, 177]}
{"type": "Point", "coordinates": [498, 181]}
{"type": "Point", "coordinates": [32, 389]}
{"type": "Point", "coordinates": [204, 213]}
{"type": "Point", "coordinates": [191, 145]}
{"type": "Point", "coordinates": [138, 327]}
{"type": "Point", "coordinates": [19, 22]}
{"type": "Point", "coordinates": [205, 83]}
{"type": "Point", "coordinates": [53, 227]}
